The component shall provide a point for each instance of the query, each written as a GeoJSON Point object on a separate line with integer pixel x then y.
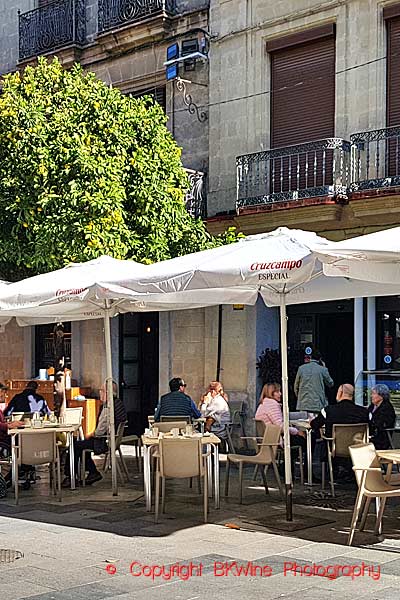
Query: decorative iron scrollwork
{"type": "Point", "coordinates": [58, 24]}
{"type": "Point", "coordinates": [115, 13]}
{"type": "Point", "coordinates": [195, 199]}
{"type": "Point", "coordinates": [188, 101]}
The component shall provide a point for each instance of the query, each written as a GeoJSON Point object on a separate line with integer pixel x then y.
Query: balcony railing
{"type": "Point", "coordinates": [58, 24]}
{"type": "Point", "coordinates": [376, 159]}
{"type": "Point", "coordinates": [116, 13]}
{"type": "Point", "coordinates": [196, 199]}
{"type": "Point", "coordinates": [320, 168]}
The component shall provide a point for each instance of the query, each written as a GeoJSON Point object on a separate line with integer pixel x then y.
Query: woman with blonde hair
{"type": "Point", "coordinates": [214, 407]}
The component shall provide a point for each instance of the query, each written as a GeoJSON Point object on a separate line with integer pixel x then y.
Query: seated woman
{"type": "Point", "coordinates": [381, 416]}
{"type": "Point", "coordinates": [214, 407]}
{"type": "Point", "coordinates": [270, 411]}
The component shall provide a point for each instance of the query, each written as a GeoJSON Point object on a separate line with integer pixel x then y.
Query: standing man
{"type": "Point", "coordinates": [309, 386]}
{"type": "Point", "coordinates": [176, 403]}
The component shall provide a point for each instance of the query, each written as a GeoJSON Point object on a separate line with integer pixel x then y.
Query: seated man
{"type": "Point", "coordinates": [176, 403]}
{"type": "Point", "coordinates": [98, 441]}
{"type": "Point", "coordinates": [344, 412]}
{"type": "Point", "coordinates": [28, 401]}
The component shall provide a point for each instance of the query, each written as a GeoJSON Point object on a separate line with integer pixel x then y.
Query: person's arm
{"type": "Point", "coordinates": [102, 424]}
{"type": "Point", "coordinates": [196, 414]}
{"type": "Point", "coordinates": [383, 419]}
{"type": "Point", "coordinates": [327, 378]}
{"type": "Point", "coordinates": [9, 408]}
{"type": "Point", "coordinates": [157, 413]}
{"type": "Point", "coordinates": [319, 421]}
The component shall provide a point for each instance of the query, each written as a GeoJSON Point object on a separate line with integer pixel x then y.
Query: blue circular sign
{"type": "Point", "coordinates": [387, 359]}
{"type": "Point", "coordinates": [308, 350]}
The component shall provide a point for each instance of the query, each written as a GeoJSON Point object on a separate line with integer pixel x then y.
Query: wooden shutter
{"type": "Point", "coordinates": [303, 110]}
{"type": "Point", "coordinates": [393, 72]}
{"type": "Point", "coordinates": [303, 93]}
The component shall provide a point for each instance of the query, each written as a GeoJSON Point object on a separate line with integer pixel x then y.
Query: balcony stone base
{"type": "Point", "coordinates": [363, 214]}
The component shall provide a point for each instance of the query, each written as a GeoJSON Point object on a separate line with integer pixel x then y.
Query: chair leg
{"type": "Point", "coordinates": [228, 468]}
{"type": "Point", "coordinates": [331, 474]}
{"type": "Point", "coordinates": [190, 482]}
{"type": "Point", "coordinates": [53, 478]}
{"type": "Point", "coordinates": [354, 519]}
{"type": "Point", "coordinates": [199, 484]}
{"type": "Point", "coordinates": [123, 463]}
{"type": "Point", "coordinates": [365, 513]}
{"type": "Point", "coordinates": [379, 517]}
{"type": "Point", "coordinates": [255, 472]}
{"type": "Point", "coordinates": [240, 482]}
{"type": "Point", "coordinates": [163, 494]}
{"type": "Point", "coordinates": [264, 477]}
{"type": "Point", "coordinates": [323, 469]}
{"type": "Point", "coordinates": [301, 466]}
{"type": "Point", "coordinates": [59, 479]}
{"type": "Point", "coordinates": [157, 498]}
{"type": "Point", "coordinates": [278, 479]}
{"type": "Point", "coordinates": [229, 441]}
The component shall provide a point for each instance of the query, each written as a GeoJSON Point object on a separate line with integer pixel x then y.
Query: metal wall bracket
{"type": "Point", "coordinates": [188, 100]}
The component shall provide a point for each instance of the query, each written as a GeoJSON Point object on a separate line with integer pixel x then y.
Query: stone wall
{"type": "Point", "coordinates": [13, 352]}
{"type": "Point", "coordinates": [240, 75]}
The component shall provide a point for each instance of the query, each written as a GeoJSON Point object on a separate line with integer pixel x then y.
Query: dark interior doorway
{"type": "Point", "coordinates": [138, 367]}
{"type": "Point", "coordinates": [335, 336]}
{"type": "Point", "coordinates": [328, 327]}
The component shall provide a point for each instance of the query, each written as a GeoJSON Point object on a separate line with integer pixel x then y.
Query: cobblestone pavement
{"type": "Point", "coordinates": [94, 546]}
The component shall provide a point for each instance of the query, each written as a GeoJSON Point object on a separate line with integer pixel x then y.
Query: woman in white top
{"type": "Point", "coordinates": [214, 407]}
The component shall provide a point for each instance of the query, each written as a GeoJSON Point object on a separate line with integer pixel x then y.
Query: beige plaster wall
{"type": "Point", "coordinates": [240, 75]}
{"type": "Point", "coordinates": [188, 348]}
{"type": "Point", "coordinates": [12, 352]}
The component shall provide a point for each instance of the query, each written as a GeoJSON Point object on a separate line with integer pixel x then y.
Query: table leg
{"type": "Point", "coordinates": [14, 467]}
{"type": "Point", "coordinates": [309, 457]}
{"type": "Point", "coordinates": [72, 459]}
{"type": "Point", "coordinates": [147, 476]}
{"type": "Point", "coordinates": [209, 470]}
{"type": "Point", "coordinates": [216, 475]}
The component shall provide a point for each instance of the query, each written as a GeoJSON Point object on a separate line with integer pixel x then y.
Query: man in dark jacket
{"type": "Point", "coordinates": [176, 403]}
{"type": "Point", "coordinates": [28, 401]}
{"type": "Point", "coordinates": [98, 441]}
{"type": "Point", "coordinates": [344, 412]}
{"type": "Point", "coordinates": [381, 416]}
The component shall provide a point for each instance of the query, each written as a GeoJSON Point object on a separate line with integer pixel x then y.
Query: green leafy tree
{"type": "Point", "coordinates": [85, 171]}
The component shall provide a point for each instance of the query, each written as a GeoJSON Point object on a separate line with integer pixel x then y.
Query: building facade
{"type": "Point", "coordinates": [125, 44]}
{"type": "Point", "coordinates": [304, 133]}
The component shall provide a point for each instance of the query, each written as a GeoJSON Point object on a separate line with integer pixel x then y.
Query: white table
{"type": "Point", "coordinates": [209, 441]}
{"type": "Point", "coordinates": [29, 430]}
{"type": "Point", "coordinates": [304, 425]}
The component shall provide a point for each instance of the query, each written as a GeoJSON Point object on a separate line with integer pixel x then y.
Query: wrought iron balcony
{"type": "Point", "coordinates": [116, 13]}
{"type": "Point", "coordinates": [55, 25]}
{"type": "Point", "coordinates": [376, 159]}
{"type": "Point", "coordinates": [313, 169]}
{"type": "Point", "coordinates": [196, 199]}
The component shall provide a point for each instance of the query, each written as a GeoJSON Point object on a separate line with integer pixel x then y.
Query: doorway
{"type": "Point", "coordinates": [138, 367]}
{"type": "Point", "coordinates": [327, 326]}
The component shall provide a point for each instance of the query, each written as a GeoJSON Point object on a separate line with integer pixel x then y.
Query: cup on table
{"type": "Point", "coordinates": [155, 432]}
{"type": "Point", "coordinates": [189, 430]}
{"type": "Point", "coordinates": [175, 432]}
{"type": "Point", "coordinates": [61, 420]}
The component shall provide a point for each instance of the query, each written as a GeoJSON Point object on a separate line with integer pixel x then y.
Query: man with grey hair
{"type": "Point", "coordinates": [344, 412]}
{"type": "Point", "coordinates": [382, 416]}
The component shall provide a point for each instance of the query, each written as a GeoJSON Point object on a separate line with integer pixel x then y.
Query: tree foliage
{"type": "Point", "coordinates": [85, 171]}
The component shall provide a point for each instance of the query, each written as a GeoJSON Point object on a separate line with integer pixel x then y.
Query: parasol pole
{"type": "Point", "coordinates": [285, 403]}
{"type": "Point", "coordinates": [110, 397]}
